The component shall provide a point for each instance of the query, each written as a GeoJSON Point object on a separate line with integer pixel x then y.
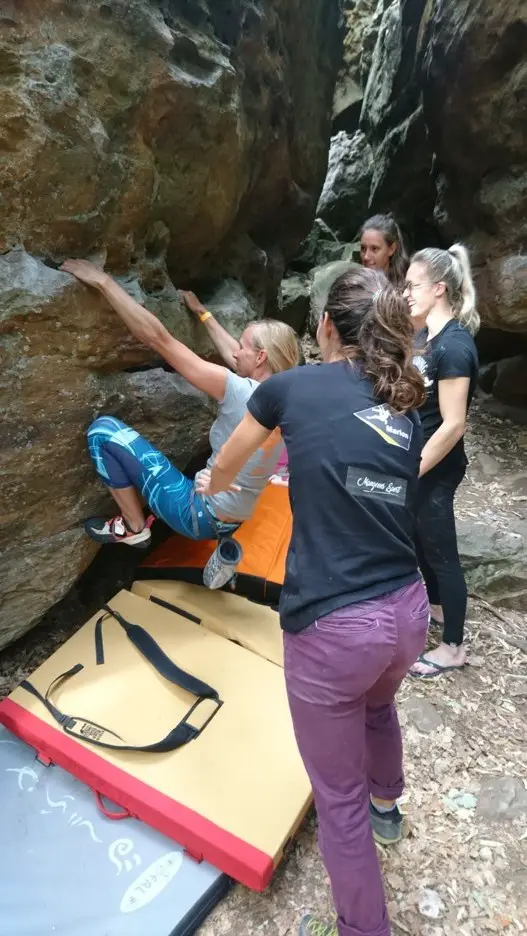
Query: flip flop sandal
{"type": "Point", "coordinates": [436, 623]}
{"type": "Point", "coordinates": [438, 670]}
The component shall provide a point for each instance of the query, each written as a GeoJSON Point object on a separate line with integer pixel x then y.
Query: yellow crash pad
{"type": "Point", "coordinates": [255, 627]}
{"type": "Point", "coordinates": [236, 793]}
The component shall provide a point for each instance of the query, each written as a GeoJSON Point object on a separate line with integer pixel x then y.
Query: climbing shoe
{"type": "Point", "coordinates": [310, 926]}
{"type": "Point", "coordinates": [387, 827]}
{"type": "Point", "coordinates": [222, 565]}
{"type": "Point", "coordinates": [117, 530]}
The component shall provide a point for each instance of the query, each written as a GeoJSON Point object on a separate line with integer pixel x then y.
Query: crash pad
{"type": "Point", "coordinates": [253, 626]}
{"type": "Point", "coordinates": [72, 870]}
{"type": "Point", "coordinates": [264, 539]}
{"type": "Point", "coordinates": [232, 795]}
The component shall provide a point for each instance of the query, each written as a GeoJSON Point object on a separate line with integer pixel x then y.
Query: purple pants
{"type": "Point", "coordinates": [342, 674]}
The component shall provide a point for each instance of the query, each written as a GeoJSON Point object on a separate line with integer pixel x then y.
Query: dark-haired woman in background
{"type": "Point", "coordinates": [353, 606]}
{"type": "Point", "coordinates": [442, 301]}
{"type": "Point", "coordinates": [382, 248]}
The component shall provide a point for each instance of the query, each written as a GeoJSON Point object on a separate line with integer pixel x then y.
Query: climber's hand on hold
{"type": "Point", "coordinates": [192, 302]}
{"type": "Point", "coordinates": [146, 327]}
{"type": "Point", "coordinates": [86, 272]}
{"type": "Point", "coordinates": [202, 483]}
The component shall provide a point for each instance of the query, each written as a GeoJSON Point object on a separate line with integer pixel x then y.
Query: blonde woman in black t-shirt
{"type": "Point", "coordinates": [441, 296]}
{"type": "Point", "coordinates": [353, 607]}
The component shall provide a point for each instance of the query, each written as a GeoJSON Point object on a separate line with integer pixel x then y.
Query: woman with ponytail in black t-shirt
{"type": "Point", "coordinates": [353, 606]}
{"type": "Point", "coordinates": [441, 297]}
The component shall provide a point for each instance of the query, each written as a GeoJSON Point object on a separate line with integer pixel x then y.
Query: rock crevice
{"type": "Point", "coordinates": [435, 135]}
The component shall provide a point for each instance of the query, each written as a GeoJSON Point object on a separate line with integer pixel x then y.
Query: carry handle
{"type": "Point", "coordinates": [124, 814]}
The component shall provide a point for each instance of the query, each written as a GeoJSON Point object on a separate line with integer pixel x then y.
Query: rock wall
{"type": "Point", "coordinates": [182, 142]}
{"type": "Point", "coordinates": [482, 192]}
{"type": "Point", "coordinates": [435, 134]}
{"type": "Point", "coordinates": [362, 19]}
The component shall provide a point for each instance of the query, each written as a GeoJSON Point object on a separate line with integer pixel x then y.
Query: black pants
{"type": "Point", "coordinates": [437, 552]}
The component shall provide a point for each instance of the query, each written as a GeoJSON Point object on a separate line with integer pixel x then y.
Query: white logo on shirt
{"type": "Point", "coordinates": [422, 366]}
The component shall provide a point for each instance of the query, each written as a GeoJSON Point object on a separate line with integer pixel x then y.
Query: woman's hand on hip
{"type": "Point", "coordinates": [203, 483]}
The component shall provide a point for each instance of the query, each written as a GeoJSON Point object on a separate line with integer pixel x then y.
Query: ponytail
{"type": "Point", "coordinates": [466, 311]}
{"type": "Point", "coordinates": [374, 327]}
{"type": "Point", "coordinates": [386, 339]}
{"type": "Point", "coordinates": [452, 267]}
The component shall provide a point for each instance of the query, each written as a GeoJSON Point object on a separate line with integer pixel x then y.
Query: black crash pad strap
{"type": "Point", "coordinates": [86, 730]}
{"type": "Point", "coordinates": [152, 652]}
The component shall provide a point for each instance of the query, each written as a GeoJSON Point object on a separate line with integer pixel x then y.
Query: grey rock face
{"type": "Point", "coordinates": [178, 144]}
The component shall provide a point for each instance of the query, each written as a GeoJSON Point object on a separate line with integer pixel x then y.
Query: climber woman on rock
{"type": "Point", "coordinates": [227, 347]}
{"type": "Point", "coordinates": [441, 296]}
{"type": "Point", "coordinates": [127, 463]}
{"type": "Point", "coordinates": [353, 606]}
{"type": "Point", "coordinates": [382, 248]}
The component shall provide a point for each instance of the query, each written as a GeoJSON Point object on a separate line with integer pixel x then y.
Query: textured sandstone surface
{"type": "Point", "coordinates": [183, 143]}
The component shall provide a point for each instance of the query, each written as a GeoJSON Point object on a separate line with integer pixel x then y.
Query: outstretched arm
{"type": "Point", "coordinates": [224, 343]}
{"type": "Point", "coordinates": [211, 378]}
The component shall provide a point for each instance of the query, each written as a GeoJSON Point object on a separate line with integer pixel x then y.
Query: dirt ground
{"type": "Point", "coordinates": [462, 868]}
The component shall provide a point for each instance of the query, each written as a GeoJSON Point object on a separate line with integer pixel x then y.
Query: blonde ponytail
{"type": "Point", "coordinates": [466, 313]}
{"type": "Point", "coordinates": [452, 267]}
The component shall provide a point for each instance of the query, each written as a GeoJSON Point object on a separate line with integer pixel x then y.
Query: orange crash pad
{"type": "Point", "coordinates": [265, 541]}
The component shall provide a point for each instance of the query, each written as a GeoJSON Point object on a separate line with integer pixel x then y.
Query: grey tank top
{"type": "Point", "coordinates": [239, 505]}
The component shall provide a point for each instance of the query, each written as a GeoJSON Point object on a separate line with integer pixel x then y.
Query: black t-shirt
{"type": "Point", "coordinates": [451, 353]}
{"type": "Point", "coordinates": [353, 466]}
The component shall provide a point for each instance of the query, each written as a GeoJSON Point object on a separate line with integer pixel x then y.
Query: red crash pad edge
{"type": "Point", "coordinates": [202, 838]}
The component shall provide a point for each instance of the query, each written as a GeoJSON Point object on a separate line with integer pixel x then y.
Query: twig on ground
{"type": "Point", "coordinates": [508, 638]}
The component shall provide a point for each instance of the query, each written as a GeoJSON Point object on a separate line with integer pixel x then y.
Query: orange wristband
{"type": "Point", "coordinates": [205, 315]}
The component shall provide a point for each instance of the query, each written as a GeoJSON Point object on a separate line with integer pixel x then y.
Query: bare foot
{"type": "Point", "coordinates": [436, 613]}
{"type": "Point", "coordinates": [435, 661]}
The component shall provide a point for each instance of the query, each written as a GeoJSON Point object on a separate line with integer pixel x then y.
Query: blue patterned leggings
{"type": "Point", "coordinates": [122, 458]}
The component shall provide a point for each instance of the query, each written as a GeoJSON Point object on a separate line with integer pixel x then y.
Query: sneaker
{"type": "Point", "coordinates": [387, 827]}
{"type": "Point", "coordinates": [117, 531]}
{"type": "Point", "coordinates": [310, 926]}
